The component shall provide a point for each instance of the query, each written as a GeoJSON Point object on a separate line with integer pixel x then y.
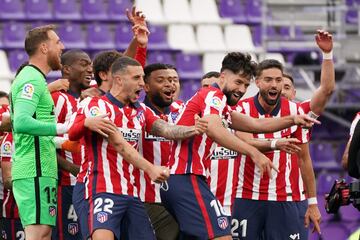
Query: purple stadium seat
{"type": "Point", "coordinates": [349, 213]}
{"type": "Point", "coordinates": [253, 10]}
{"type": "Point", "coordinates": [334, 230]}
{"type": "Point", "coordinates": [123, 35]}
{"type": "Point", "coordinates": [11, 9]}
{"type": "Point", "coordinates": [158, 38]}
{"type": "Point", "coordinates": [285, 33]}
{"type": "Point", "coordinates": [117, 9]}
{"type": "Point", "coordinates": [233, 9]}
{"type": "Point", "coordinates": [325, 181]}
{"type": "Point", "coordinates": [323, 156]}
{"type": "Point", "coordinates": [66, 10]}
{"type": "Point", "coordinates": [189, 66]}
{"type": "Point", "coordinates": [257, 34]}
{"type": "Point", "coordinates": [94, 10]}
{"type": "Point", "coordinates": [160, 57]}
{"type": "Point", "coordinates": [100, 37]}
{"type": "Point", "coordinates": [38, 9]}
{"type": "Point", "coordinates": [72, 35]}
{"type": "Point", "coordinates": [16, 58]}
{"type": "Point", "coordinates": [14, 35]}
{"type": "Point", "coordinates": [188, 89]}
{"type": "Point", "coordinates": [352, 16]}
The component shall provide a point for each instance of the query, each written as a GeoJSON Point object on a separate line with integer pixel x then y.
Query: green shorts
{"type": "Point", "coordinates": [36, 199]}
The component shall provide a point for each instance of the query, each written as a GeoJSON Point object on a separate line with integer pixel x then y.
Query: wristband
{"type": "Point", "coordinates": [327, 56]}
{"type": "Point", "coordinates": [273, 144]}
{"type": "Point", "coordinates": [312, 201]}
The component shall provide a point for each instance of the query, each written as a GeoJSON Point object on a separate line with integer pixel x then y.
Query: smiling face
{"type": "Point", "coordinates": [270, 84]}
{"type": "Point", "coordinates": [80, 71]}
{"type": "Point", "coordinates": [288, 91]}
{"type": "Point", "coordinates": [54, 50]}
{"type": "Point", "coordinates": [161, 87]}
{"type": "Point", "coordinates": [234, 86]}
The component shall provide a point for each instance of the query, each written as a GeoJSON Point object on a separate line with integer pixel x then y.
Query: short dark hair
{"type": "Point", "coordinates": [69, 57]}
{"type": "Point", "coordinates": [239, 63]}
{"type": "Point", "coordinates": [4, 94]}
{"type": "Point", "coordinates": [210, 75]}
{"type": "Point", "coordinates": [154, 67]}
{"type": "Point", "coordinates": [121, 63]}
{"type": "Point", "coordinates": [267, 64]}
{"type": "Point", "coordinates": [289, 77]}
{"type": "Point", "coordinates": [35, 37]}
{"type": "Point", "coordinates": [102, 63]}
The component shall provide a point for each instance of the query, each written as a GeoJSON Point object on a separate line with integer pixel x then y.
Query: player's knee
{"type": "Point", "coordinates": [36, 232]}
{"type": "Point", "coordinates": [100, 234]}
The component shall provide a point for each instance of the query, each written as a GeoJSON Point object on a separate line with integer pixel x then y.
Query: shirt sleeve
{"type": "Point", "coordinates": [150, 118]}
{"type": "Point", "coordinates": [140, 56]}
{"type": "Point", "coordinates": [27, 100]}
{"type": "Point", "coordinates": [214, 103]}
{"type": "Point", "coordinates": [6, 148]}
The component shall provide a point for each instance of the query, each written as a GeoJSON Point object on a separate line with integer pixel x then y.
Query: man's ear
{"type": "Point", "coordinates": [146, 87]}
{"type": "Point", "coordinates": [43, 48]}
{"type": "Point", "coordinates": [257, 82]}
{"type": "Point", "coordinates": [66, 70]}
{"type": "Point", "coordinates": [103, 76]}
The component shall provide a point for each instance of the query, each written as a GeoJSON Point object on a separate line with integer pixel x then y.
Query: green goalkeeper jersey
{"type": "Point", "coordinates": [33, 122]}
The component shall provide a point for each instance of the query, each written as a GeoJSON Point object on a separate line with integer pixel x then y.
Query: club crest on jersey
{"type": "Point", "coordinates": [223, 222]}
{"type": "Point", "coordinates": [174, 115]}
{"type": "Point", "coordinates": [3, 234]}
{"type": "Point", "coordinates": [6, 149]}
{"type": "Point", "coordinates": [215, 102]}
{"type": "Point", "coordinates": [94, 111]}
{"type": "Point", "coordinates": [102, 217]}
{"type": "Point", "coordinates": [73, 228]}
{"type": "Point", "coordinates": [28, 91]}
{"type": "Point", "coordinates": [140, 115]}
{"type": "Point", "coordinates": [52, 211]}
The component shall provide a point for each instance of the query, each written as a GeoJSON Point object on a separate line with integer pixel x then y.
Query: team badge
{"type": "Point", "coordinates": [3, 234]}
{"type": "Point", "coordinates": [223, 222]}
{"type": "Point", "coordinates": [215, 102]}
{"type": "Point", "coordinates": [173, 116]}
{"type": "Point", "coordinates": [94, 111]}
{"type": "Point", "coordinates": [73, 228]}
{"type": "Point", "coordinates": [102, 217]}
{"type": "Point", "coordinates": [28, 91]}
{"type": "Point", "coordinates": [6, 149]}
{"type": "Point", "coordinates": [52, 211]}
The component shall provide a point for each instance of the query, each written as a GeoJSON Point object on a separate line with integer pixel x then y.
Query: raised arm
{"type": "Point", "coordinates": [244, 123]}
{"type": "Point", "coordinates": [321, 96]}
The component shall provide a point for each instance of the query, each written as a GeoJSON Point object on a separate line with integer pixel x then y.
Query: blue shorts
{"type": "Point", "coordinates": [198, 212]}
{"type": "Point", "coordinates": [67, 225]}
{"type": "Point", "coordinates": [302, 208]}
{"type": "Point", "coordinates": [124, 215]}
{"type": "Point", "coordinates": [275, 220]}
{"type": "Point", "coordinates": [81, 206]}
{"type": "Point", "coordinates": [12, 229]}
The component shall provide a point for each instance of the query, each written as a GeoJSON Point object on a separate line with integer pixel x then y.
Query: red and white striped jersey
{"type": "Point", "coordinates": [287, 185]}
{"type": "Point", "coordinates": [156, 150]}
{"type": "Point", "coordinates": [223, 175]}
{"type": "Point", "coordinates": [354, 123]}
{"type": "Point", "coordinates": [108, 171]}
{"type": "Point", "coordinates": [191, 155]}
{"type": "Point", "coordinates": [9, 207]}
{"type": "Point", "coordinates": [65, 105]}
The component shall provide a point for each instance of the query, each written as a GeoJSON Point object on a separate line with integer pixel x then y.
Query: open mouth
{"type": "Point", "coordinates": [168, 93]}
{"type": "Point", "coordinates": [88, 78]}
{"type": "Point", "coordinates": [273, 94]}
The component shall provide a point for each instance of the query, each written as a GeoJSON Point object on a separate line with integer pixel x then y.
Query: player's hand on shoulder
{"type": "Point", "coordinates": [59, 85]}
{"type": "Point", "coordinates": [288, 145]}
{"type": "Point", "coordinates": [90, 92]}
{"type": "Point", "coordinates": [201, 125]}
{"type": "Point", "coordinates": [101, 124]}
{"type": "Point", "coordinates": [304, 121]}
{"type": "Point", "coordinates": [158, 174]}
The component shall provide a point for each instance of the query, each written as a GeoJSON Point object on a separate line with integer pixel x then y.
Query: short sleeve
{"type": "Point", "coordinates": [6, 148]}
{"type": "Point", "coordinates": [31, 91]}
{"type": "Point", "coordinates": [302, 134]}
{"type": "Point", "coordinates": [214, 103]}
{"type": "Point", "coordinates": [150, 118]}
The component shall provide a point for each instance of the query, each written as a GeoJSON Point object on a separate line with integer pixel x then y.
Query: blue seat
{"type": "Point", "coordinates": [72, 35]}
{"type": "Point", "coordinates": [66, 10]}
{"type": "Point", "coordinates": [38, 10]}
{"type": "Point", "coordinates": [100, 37]}
{"type": "Point", "coordinates": [94, 10]}
{"type": "Point", "coordinates": [14, 35]}
{"type": "Point", "coordinates": [117, 9]}
{"type": "Point", "coordinates": [189, 66]}
{"type": "Point", "coordinates": [11, 9]}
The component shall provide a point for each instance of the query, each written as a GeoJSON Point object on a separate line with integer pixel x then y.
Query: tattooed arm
{"type": "Point", "coordinates": [177, 132]}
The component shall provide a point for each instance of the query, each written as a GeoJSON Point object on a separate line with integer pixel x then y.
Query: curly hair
{"type": "Point", "coordinates": [103, 61]}
{"type": "Point", "coordinates": [239, 63]}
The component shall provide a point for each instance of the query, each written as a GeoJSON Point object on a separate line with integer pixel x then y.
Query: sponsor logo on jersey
{"type": "Point", "coordinates": [215, 102]}
{"type": "Point", "coordinates": [94, 111]}
{"type": "Point", "coordinates": [28, 91]}
{"type": "Point", "coordinates": [223, 222]}
{"type": "Point", "coordinates": [150, 137]}
{"type": "Point", "coordinates": [223, 153]}
{"type": "Point", "coordinates": [73, 228]}
{"type": "Point", "coordinates": [131, 135]}
{"type": "Point", "coordinates": [6, 149]}
{"type": "Point", "coordinates": [52, 211]}
{"type": "Point", "coordinates": [102, 217]}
